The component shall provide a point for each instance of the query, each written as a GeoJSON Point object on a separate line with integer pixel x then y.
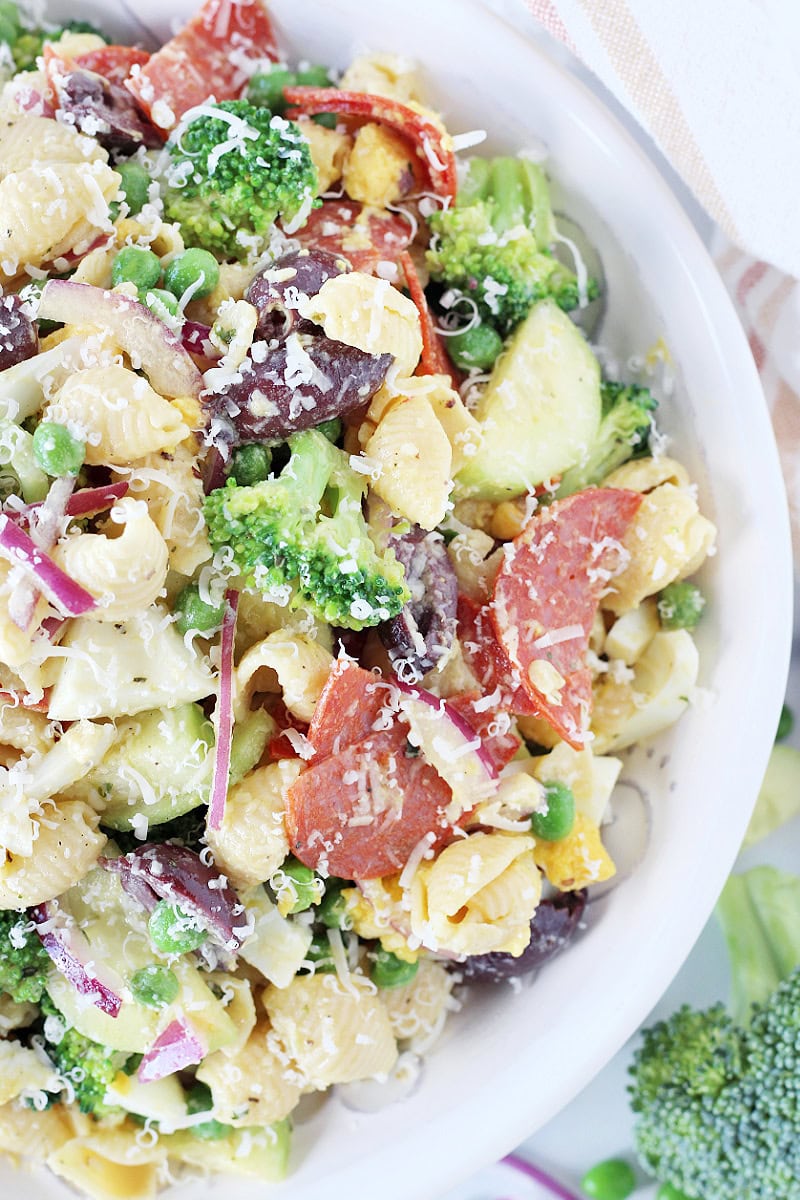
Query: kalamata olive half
{"type": "Point", "coordinates": [106, 111]}
{"type": "Point", "coordinates": [423, 632]}
{"type": "Point", "coordinates": [552, 927]}
{"type": "Point", "coordinates": [298, 383]}
{"type": "Point", "coordinates": [18, 340]}
{"type": "Point", "coordinates": [276, 292]}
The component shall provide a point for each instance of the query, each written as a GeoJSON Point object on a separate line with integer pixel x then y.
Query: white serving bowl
{"type": "Point", "coordinates": [508, 1062]}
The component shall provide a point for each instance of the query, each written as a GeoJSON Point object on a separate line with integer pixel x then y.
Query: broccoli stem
{"type": "Point", "coordinates": [758, 915]}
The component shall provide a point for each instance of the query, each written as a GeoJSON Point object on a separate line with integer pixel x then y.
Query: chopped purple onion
{"type": "Point", "coordinates": [71, 954]}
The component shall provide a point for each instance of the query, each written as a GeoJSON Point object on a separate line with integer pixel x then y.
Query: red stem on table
{"type": "Point", "coordinates": [541, 1177]}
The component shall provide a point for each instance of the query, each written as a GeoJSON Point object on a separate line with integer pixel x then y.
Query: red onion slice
{"type": "Point", "coordinates": [460, 733]}
{"type": "Point", "coordinates": [69, 949]}
{"type": "Point", "coordinates": [176, 1047]}
{"type": "Point", "coordinates": [224, 714]}
{"type": "Point", "coordinates": [146, 340]}
{"type": "Point", "coordinates": [540, 1176]}
{"type": "Point", "coordinates": [20, 549]}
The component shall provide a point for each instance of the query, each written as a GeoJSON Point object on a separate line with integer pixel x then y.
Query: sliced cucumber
{"type": "Point", "coordinates": [540, 412]}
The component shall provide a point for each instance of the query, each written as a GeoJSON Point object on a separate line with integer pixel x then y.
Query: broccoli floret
{"type": "Point", "coordinates": [303, 537]}
{"type": "Point", "coordinates": [494, 246]}
{"type": "Point", "coordinates": [24, 963]}
{"type": "Point", "coordinates": [717, 1100]}
{"type": "Point", "coordinates": [624, 433]}
{"type": "Point", "coordinates": [680, 605]}
{"type": "Point", "coordinates": [87, 1066]}
{"type": "Point", "coordinates": [232, 175]}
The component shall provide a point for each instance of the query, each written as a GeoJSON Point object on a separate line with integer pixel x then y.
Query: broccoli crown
{"type": "Point", "coordinates": [624, 433]}
{"type": "Point", "coordinates": [234, 170]}
{"type": "Point", "coordinates": [718, 1106]}
{"type": "Point", "coordinates": [680, 605]}
{"type": "Point", "coordinates": [302, 537]}
{"type": "Point", "coordinates": [86, 1066]}
{"type": "Point", "coordinates": [494, 246]}
{"type": "Point", "coordinates": [24, 962]}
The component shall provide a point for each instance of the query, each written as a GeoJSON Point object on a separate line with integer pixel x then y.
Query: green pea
{"type": "Point", "coordinates": [332, 911]}
{"type": "Point", "coordinates": [314, 76]}
{"type": "Point", "coordinates": [389, 971]}
{"type": "Point", "coordinates": [319, 953]}
{"type": "Point", "coordinates": [132, 1064]}
{"type": "Point", "coordinates": [173, 931]}
{"type": "Point", "coordinates": [476, 347]}
{"type": "Point", "coordinates": [556, 819]}
{"type": "Point", "coordinates": [160, 302]}
{"type": "Point", "coordinates": [56, 450]}
{"type": "Point", "coordinates": [266, 88]}
{"type": "Point", "coordinates": [190, 268]}
{"type": "Point", "coordinates": [785, 723]}
{"type": "Point", "coordinates": [154, 986]}
{"type": "Point", "coordinates": [612, 1179]}
{"type": "Point", "coordinates": [302, 883]}
{"type": "Point", "coordinates": [198, 1100]}
{"type": "Point", "coordinates": [668, 1192]}
{"type": "Point", "coordinates": [135, 184]}
{"type": "Point", "coordinates": [332, 429]}
{"type": "Point", "coordinates": [136, 265]}
{"type": "Point", "coordinates": [194, 613]}
{"type": "Point", "coordinates": [251, 463]}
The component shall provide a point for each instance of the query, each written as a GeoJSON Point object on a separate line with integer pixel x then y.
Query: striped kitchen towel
{"type": "Point", "coordinates": [716, 85]}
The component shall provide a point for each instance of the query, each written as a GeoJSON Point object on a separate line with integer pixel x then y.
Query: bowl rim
{"type": "Point", "coordinates": [465, 1125]}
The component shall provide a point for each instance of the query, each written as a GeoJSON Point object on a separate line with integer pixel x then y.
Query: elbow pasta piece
{"type": "Point", "coordinates": [49, 210]}
{"type": "Point", "coordinates": [645, 474]}
{"type": "Point", "coordinates": [290, 662]}
{"type": "Point", "coordinates": [462, 430]}
{"type": "Point", "coordinates": [667, 540]}
{"type": "Point", "coordinates": [383, 75]}
{"type": "Point", "coordinates": [232, 334]}
{"type": "Point", "coordinates": [477, 896]}
{"type": "Point", "coordinates": [375, 912]}
{"type": "Point", "coordinates": [333, 1033]}
{"type": "Point", "coordinates": [126, 573]}
{"type": "Point", "coordinates": [95, 268]}
{"type": "Point", "coordinates": [174, 497]}
{"type": "Point", "coordinates": [117, 414]}
{"type": "Point", "coordinates": [252, 843]}
{"type": "Point", "coordinates": [110, 1164]}
{"type": "Point", "coordinates": [67, 847]}
{"type": "Point", "coordinates": [22, 1071]}
{"type": "Point", "coordinates": [591, 777]}
{"type": "Point", "coordinates": [577, 860]}
{"type": "Point", "coordinates": [631, 634]}
{"type": "Point", "coordinates": [329, 151]}
{"type": "Point", "coordinates": [32, 1134]}
{"type": "Point", "coordinates": [417, 1011]}
{"type": "Point", "coordinates": [38, 141]}
{"type": "Point", "coordinates": [253, 1087]}
{"type": "Point", "coordinates": [378, 170]}
{"type": "Point", "coordinates": [257, 618]}
{"type": "Point", "coordinates": [237, 999]}
{"type": "Point", "coordinates": [413, 462]}
{"type": "Point", "coordinates": [664, 678]}
{"type": "Point", "coordinates": [16, 645]}
{"type": "Point", "coordinates": [369, 313]}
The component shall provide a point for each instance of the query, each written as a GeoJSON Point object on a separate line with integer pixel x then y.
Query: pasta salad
{"type": "Point", "coordinates": [335, 574]}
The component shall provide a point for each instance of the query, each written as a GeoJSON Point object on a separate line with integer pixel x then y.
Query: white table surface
{"type": "Point", "coordinates": [598, 1123]}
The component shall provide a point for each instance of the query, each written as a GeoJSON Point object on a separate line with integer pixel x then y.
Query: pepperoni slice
{"type": "Point", "coordinates": [488, 661]}
{"type": "Point", "coordinates": [200, 61]}
{"type": "Point", "coordinates": [114, 63]}
{"type": "Point", "coordinates": [347, 709]}
{"type": "Point", "coordinates": [490, 725]}
{"type": "Point", "coordinates": [435, 360]}
{"type": "Point", "coordinates": [359, 814]}
{"type": "Point", "coordinates": [546, 595]}
{"type": "Point", "coordinates": [364, 240]}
